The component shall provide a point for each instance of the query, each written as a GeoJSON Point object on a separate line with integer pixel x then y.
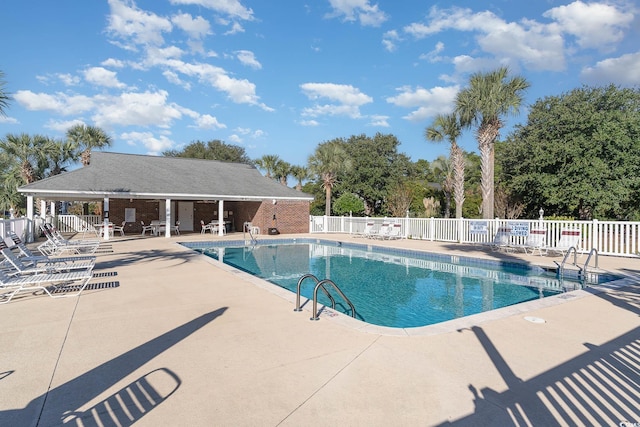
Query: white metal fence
{"type": "Point", "coordinates": [618, 238]}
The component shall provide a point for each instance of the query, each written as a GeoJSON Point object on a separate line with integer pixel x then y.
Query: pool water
{"type": "Point", "coordinates": [391, 289]}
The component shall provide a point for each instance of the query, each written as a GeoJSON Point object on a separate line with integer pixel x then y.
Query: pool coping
{"type": "Point", "coordinates": [327, 313]}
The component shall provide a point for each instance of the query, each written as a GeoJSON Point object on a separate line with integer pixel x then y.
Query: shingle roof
{"type": "Point", "coordinates": [117, 175]}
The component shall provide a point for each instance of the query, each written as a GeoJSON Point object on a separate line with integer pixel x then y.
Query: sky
{"type": "Point", "coordinates": [282, 76]}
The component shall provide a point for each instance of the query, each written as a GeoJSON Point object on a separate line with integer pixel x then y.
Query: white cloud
{"type": "Point", "coordinates": [135, 108]}
{"type": "Point", "coordinates": [232, 8]}
{"type": "Point", "coordinates": [8, 120]}
{"type": "Point", "coordinates": [248, 58]}
{"type": "Point", "coordinates": [154, 145]}
{"type": "Point", "coordinates": [309, 123]}
{"type": "Point", "coordinates": [196, 28]}
{"type": "Point", "coordinates": [63, 126]}
{"type": "Point", "coordinates": [207, 121]}
{"type": "Point", "coordinates": [58, 102]}
{"type": "Point", "coordinates": [141, 27]}
{"type": "Point", "coordinates": [624, 70]}
{"type": "Point", "coordinates": [595, 25]}
{"type": "Point", "coordinates": [362, 10]}
{"type": "Point", "coordinates": [430, 102]}
{"type": "Point", "coordinates": [379, 121]}
{"type": "Point", "coordinates": [236, 139]}
{"type": "Point", "coordinates": [68, 79]}
{"type": "Point", "coordinates": [389, 40]}
{"type": "Point", "coordinates": [113, 63]}
{"type": "Point", "coordinates": [102, 77]}
{"type": "Point", "coordinates": [434, 55]}
{"type": "Point", "coordinates": [348, 98]}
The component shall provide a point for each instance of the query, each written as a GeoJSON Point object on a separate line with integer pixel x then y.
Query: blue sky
{"type": "Point", "coordinates": [280, 77]}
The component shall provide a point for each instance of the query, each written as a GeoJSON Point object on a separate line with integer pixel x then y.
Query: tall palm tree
{"type": "Point", "coordinates": [267, 163]}
{"type": "Point", "coordinates": [281, 171]}
{"type": "Point", "coordinates": [300, 173]}
{"type": "Point", "coordinates": [58, 160]}
{"type": "Point", "coordinates": [448, 126]}
{"type": "Point", "coordinates": [329, 161]}
{"type": "Point", "coordinates": [484, 103]}
{"type": "Point", "coordinates": [4, 96]}
{"type": "Point", "coordinates": [443, 171]}
{"type": "Point", "coordinates": [87, 138]}
{"type": "Point", "coordinates": [28, 155]}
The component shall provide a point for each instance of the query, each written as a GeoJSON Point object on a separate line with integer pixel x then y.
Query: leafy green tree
{"type": "Point", "coordinates": [212, 150]}
{"type": "Point", "coordinates": [86, 139]}
{"type": "Point", "coordinates": [5, 98]}
{"type": "Point", "coordinates": [348, 203]}
{"type": "Point", "coordinates": [300, 173]}
{"type": "Point", "coordinates": [376, 167]}
{"type": "Point", "coordinates": [484, 103]}
{"type": "Point", "coordinates": [448, 127]}
{"type": "Point", "coordinates": [268, 164]}
{"type": "Point", "coordinates": [328, 163]}
{"type": "Point", "coordinates": [578, 155]}
{"type": "Point", "coordinates": [63, 153]}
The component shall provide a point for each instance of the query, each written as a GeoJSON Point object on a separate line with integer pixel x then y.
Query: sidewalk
{"type": "Point", "coordinates": [166, 336]}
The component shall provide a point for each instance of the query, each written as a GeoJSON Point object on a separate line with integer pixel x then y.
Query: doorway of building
{"type": "Point", "coordinates": [185, 215]}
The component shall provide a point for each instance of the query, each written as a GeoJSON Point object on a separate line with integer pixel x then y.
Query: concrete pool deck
{"type": "Point", "coordinates": [166, 336]}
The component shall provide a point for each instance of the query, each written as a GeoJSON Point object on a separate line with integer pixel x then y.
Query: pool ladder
{"type": "Point", "coordinates": [320, 284]}
{"type": "Point", "coordinates": [582, 271]}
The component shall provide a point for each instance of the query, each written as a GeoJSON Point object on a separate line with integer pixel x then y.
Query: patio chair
{"type": "Point", "coordinates": [17, 267]}
{"type": "Point", "coordinates": [56, 245]}
{"type": "Point", "coordinates": [205, 227]}
{"type": "Point", "coordinates": [25, 254]}
{"type": "Point", "coordinates": [146, 228]}
{"type": "Point", "coordinates": [176, 228]}
{"type": "Point", "coordinates": [395, 232]}
{"type": "Point", "coordinates": [368, 229]}
{"type": "Point", "coordinates": [120, 228]}
{"type": "Point", "coordinates": [382, 232]}
{"type": "Point", "coordinates": [76, 280]}
{"type": "Point", "coordinates": [569, 238]}
{"type": "Point", "coordinates": [501, 240]}
{"type": "Point", "coordinates": [536, 241]}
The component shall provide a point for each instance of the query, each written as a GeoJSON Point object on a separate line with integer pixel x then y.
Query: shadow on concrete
{"type": "Point", "coordinates": [64, 401]}
{"type": "Point", "coordinates": [599, 387]}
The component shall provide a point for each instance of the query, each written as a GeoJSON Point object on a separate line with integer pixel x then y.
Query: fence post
{"type": "Point", "coordinates": [595, 232]}
{"type": "Point", "coordinates": [460, 230]}
{"type": "Point", "coordinates": [432, 228]}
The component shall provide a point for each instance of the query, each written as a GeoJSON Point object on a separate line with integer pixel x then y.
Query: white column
{"type": "Point", "coordinates": [167, 218]}
{"type": "Point", "coordinates": [43, 208]}
{"type": "Point", "coordinates": [30, 230]}
{"type": "Point", "coordinates": [105, 223]}
{"type": "Point", "coordinates": [221, 218]}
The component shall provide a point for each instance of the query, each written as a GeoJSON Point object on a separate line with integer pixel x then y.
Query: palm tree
{"type": "Point", "coordinates": [58, 159]}
{"type": "Point", "coordinates": [267, 163]}
{"type": "Point", "coordinates": [28, 155]}
{"type": "Point", "coordinates": [300, 173]}
{"type": "Point", "coordinates": [448, 126]}
{"type": "Point", "coordinates": [87, 138]}
{"type": "Point", "coordinates": [484, 103]}
{"type": "Point", "coordinates": [443, 171]}
{"type": "Point", "coordinates": [4, 96]}
{"type": "Point", "coordinates": [281, 171]}
{"type": "Point", "coordinates": [329, 161]}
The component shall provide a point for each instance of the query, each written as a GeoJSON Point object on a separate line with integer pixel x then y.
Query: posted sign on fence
{"type": "Point", "coordinates": [478, 227]}
{"type": "Point", "coordinates": [519, 228]}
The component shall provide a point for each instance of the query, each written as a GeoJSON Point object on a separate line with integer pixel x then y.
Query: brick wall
{"type": "Point", "coordinates": [290, 216]}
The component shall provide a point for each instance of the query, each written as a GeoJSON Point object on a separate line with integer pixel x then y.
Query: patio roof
{"type": "Point", "coordinates": [133, 176]}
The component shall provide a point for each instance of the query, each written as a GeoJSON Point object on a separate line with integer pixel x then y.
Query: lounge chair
{"type": "Point", "coordinates": [569, 238]}
{"type": "Point", "coordinates": [536, 241]}
{"type": "Point", "coordinates": [382, 232]}
{"type": "Point", "coordinates": [205, 227]}
{"type": "Point", "coordinates": [145, 228]}
{"type": "Point", "coordinates": [57, 245]}
{"type": "Point", "coordinates": [368, 229]}
{"type": "Point", "coordinates": [26, 254]}
{"type": "Point", "coordinates": [11, 285]}
{"type": "Point", "coordinates": [501, 240]}
{"type": "Point", "coordinates": [17, 266]}
{"type": "Point", "coordinates": [395, 232]}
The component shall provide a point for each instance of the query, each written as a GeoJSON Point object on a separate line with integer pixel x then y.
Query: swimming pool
{"type": "Point", "coordinates": [391, 287]}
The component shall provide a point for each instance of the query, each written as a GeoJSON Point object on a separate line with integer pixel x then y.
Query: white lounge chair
{"type": "Point", "coordinates": [501, 240]}
{"type": "Point", "coordinates": [368, 230]}
{"type": "Point", "coordinates": [395, 232]}
{"type": "Point", "coordinates": [15, 243]}
{"type": "Point", "coordinates": [536, 241]}
{"type": "Point", "coordinates": [569, 238]}
{"type": "Point", "coordinates": [11, 285]}
{"type": "Point", "coordinates": [382, 232]}
{"type": "Point", "coordinates": [16, 266]}
{"type": "Point", "coordinates": [57, 245]}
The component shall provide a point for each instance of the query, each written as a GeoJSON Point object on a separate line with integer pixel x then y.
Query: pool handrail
{"type": "Point", "coordinates": [311, 276]}
{"type": "Point", "coordinates": [315, 298]}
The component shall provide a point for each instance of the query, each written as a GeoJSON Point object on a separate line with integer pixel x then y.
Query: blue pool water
{"type": "Point", "coordinates": [393, 288]}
